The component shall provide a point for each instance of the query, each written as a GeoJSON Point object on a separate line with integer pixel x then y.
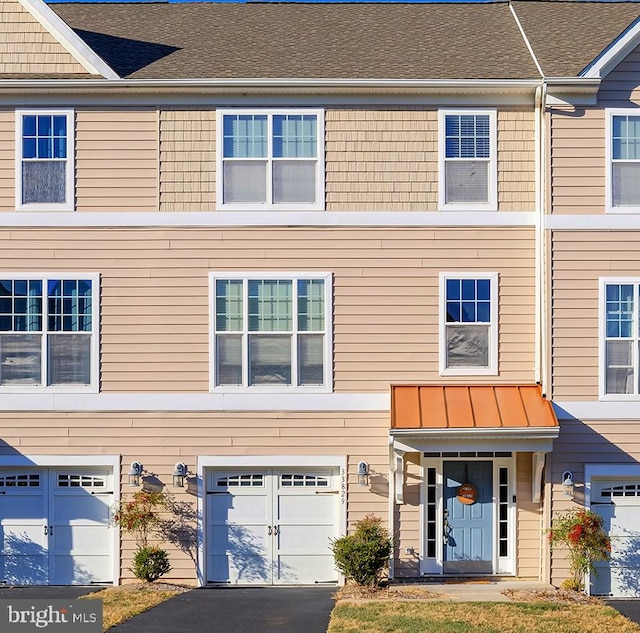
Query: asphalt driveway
{"type": "Point", "coordinates": [238, 610]}
{"type": "Point", "coordinates": [630, 608]}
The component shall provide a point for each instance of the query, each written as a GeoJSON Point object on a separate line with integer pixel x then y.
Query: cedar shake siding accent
{"type": "Point", "coordinates": [155, 297]}
{"type": "Point", "coordinates": [27, 48]}
{"type": "Point", "coordinates": [580, 259]}
{"type": "Point", "coordinates": [159, 439]}
{"type": "Point", "coordinates": [375, 159]}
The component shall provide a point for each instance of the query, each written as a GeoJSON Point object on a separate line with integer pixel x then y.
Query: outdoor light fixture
{"type": "Point", "coordinates": [567, 484]}
{"type": "Point", "coordinates": [179, 474]}
{"type": "Point", "coordinates": [135, 473]}
{"type": "Point", "coordinates": [363, 474]}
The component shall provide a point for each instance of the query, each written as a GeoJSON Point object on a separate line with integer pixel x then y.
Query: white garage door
{"type": "Point", "coordinates": [271, 526]}
{"type": "Point", "coordinates": [54, 527]}
{"type": "Point", "coordinates": [618, 502]}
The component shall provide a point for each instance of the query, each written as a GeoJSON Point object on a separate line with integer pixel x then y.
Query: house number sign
{"type": "Point", "coordinates": [467, 494]}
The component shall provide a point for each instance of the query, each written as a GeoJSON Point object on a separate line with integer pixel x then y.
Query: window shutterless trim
{"type": "Point", "coordinates": [492, 202]}
{"type": "Point", "coordinates": [69, 204]}
{"type": "Point", "coordinates": [317, 205]}
{"type": "Point", "coordinates": [327, 356]}
{"type": "Point", "coordinates": [603, 282]}
{"type": "Point", "coordinates": [608, 176]}
{"type": "Point", "coordinates": [492, 369]}
{"type": "Point", "coordinates": [94, 363]}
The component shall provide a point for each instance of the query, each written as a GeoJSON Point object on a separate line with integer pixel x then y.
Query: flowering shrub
{"type": "Point", "coordinates": [583, 534]}
{"type": "Point", "coordinates": [141, 515]}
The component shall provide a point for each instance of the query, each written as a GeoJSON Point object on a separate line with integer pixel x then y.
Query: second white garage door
{"type": "Point", "coordinates": [618, 502]}
{"type": "Point", "coordinates": [271, 526]}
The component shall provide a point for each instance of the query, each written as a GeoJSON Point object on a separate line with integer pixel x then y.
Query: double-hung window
{"type": "Point", "coordinates": [270, 159]}
{"type": "Point", "coordinates": [620, 337]}
{"type": "Point", "coordinates": [469, 323]}
{"type": "Point", "coordinates": [271, 331]}
{"type": "Point", "coordinates": [48, 331]}
{"type": "Point", "coordinates": [623, 164]}
{"type": "Point", "coordinates": [467, 165]}
{"type": "Point", "coordinates": [44, 160]}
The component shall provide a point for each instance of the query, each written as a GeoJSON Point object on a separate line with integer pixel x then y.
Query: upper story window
{"type": "Point", "coordinates": [467, 172]}
{"type": "Point", "coordinates": [620, 337]}
{"type": "Point", "coordinates": [469, 323]}
{"type": "Point", "coordinates": [44, 160]}
{"type": "Point", "coordinates": [271, 331]}
{"type": "Point", "coordinates": [623, 160]}
{"type": "Point", "coordinates": [48, 331]}
{"type": "Point", "coordinates": [271, 159]}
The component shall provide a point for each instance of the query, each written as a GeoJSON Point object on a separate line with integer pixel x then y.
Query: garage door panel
{"type": "Point", "coordinates": [301, 509]}
{"type": "Point", "coordinates": [83, 509]}
{"type": "Point", "coordinates": [305, 569]}
{"type": "Point", "coordinates": [22, 509]}
{"type": "Point", "coordinates": [305, 538]}
{"type": "Point", "coordinates": [251, 540]}
{"type": "Point", "coordinates": [80, 570]}
{"type": "Point", "coordinates": [29, 569]}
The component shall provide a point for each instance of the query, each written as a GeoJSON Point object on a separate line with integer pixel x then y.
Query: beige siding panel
{"type": "Point", "coordinates": [152, 439]}
{"type": "Point", "coordinates": [155, 296]}
{"type": "Point", "coordinates": [408, 519]}
{"type": "Point", "coordinates": [580, 259]}
{"type": "Point", "coordinates": [622, 85]}
{"type": "Point", "coordinates": [126, 178]}
{"type": "Point", "coordinates": [187, 160]}
{"type": "Point", "coordinates": [7, 160]}
{"type": "Point", "coordinates": [26, 47]}
{"type": "Point", "coordinates": [577, 149]}
{"type": "Point", "coordinates": [388, 160]}
{"type": "Point", "coordinates": [528, 522]}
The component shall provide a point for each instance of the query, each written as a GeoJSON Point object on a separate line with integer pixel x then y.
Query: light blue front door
{"type": "Point", "coordinates": [468, 527]}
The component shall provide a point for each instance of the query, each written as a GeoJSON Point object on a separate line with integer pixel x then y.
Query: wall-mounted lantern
{"type": "Point", "coordinates": [568, 486]}
{"type": "Point", "coordinates": [363, 474]}
{"type": "Point", "coordinates": [135, 474]}
{"type": "Point", "coordinates": [179, 474]}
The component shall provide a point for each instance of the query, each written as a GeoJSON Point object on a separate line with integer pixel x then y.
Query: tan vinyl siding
{"type": "Point", "coordinates": [158, 440]}
{"type": "Point", "coordinates": [577, 161]}
{"type": "Point", "coordinates": [116, 160]}
{"type": "Point", "coordinates": [26, 47]}
{"type": "Point", "coordinates": [580, 259]}
{"type": "Point", "coordinates": [528, 521]}
{"type": "Point", "coordinates": [7, 160]}
{"type": "Point", "coordinates": [375, 160]}
{"type": "Point", "coordinates": [584, 442]}
{"type": "Point", "coordinates": [155, 303]}
{"type": "Point", "coordinates": [408, 519]}
{"type": "Point", "coordinates": [622, 86]}
{"type": "Point", "coordinates": [187, 160]}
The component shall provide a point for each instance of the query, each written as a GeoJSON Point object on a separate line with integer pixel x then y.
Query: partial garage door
{"type": "Point", "coordinates": [271, 526]}
{"type": "Point", "coordinates": [618, 502]}
{"type": "Point", "coordinates": [55, 527]}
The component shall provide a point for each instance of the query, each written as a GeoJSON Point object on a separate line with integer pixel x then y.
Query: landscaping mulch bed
{"type": "Point", "coordinates": [353, 592]}
{"type": "Point", "coordinates": [550, 595]}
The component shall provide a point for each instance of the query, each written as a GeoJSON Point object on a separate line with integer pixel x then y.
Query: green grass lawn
{"type": "Point", "coordinates": [476, 617]}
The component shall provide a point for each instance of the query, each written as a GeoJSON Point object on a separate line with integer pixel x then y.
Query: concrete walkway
{"type": "Point", "coordinates": [476, 590]}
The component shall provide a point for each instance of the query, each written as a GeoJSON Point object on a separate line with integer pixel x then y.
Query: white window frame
{"type": "Point", "coordinates": [319, 203]}
{"type": "Point", "coordinates": [69, 204]}
{"type": "Point", "coordinates": [602, 335]}
{"type": "Point", "coordinates": [328, 336]}
{"type": "Point", "coordinates": [492, 203]}
{"type": "Point", "coordinates": [93, 386]}
{"type": "Point", "coordinates": [492, 369]}
{"type": "Point", "coordinates": [608, 178]}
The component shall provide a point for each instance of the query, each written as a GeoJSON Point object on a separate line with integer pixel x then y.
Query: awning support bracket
{"type": "Point", "coordinates": [538, 462]}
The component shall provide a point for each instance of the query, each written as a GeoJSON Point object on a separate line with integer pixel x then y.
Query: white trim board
{"type": "Point", "coordinates": [605, 409]}
{"type": "Point", "coordinates": [67, 37]}
{"type": "Point", "coordinates": [215, 219]}
{"type": "Point", "coordinates": [239, 401]}
{"type": "Point", "coordinates": [606, 61]}
{"type": "Point", "coordinates": [610, 222]}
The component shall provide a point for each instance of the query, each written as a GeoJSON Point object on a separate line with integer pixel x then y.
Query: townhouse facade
{"type": "Point", "coordinates": [316, 266]}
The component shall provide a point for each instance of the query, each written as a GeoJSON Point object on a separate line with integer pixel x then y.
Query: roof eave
{"type": "Point", "coordinates": [274, 86]}
{"type": "Point", "coordinates": [574, 91]}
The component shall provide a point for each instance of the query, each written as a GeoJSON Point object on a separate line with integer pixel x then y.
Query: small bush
{"type": "Point", "coordinates": [150, 563]}
{"type": "Point", "coordinates": [363, 555]}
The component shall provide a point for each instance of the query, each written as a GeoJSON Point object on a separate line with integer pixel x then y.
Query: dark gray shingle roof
{"type": "Point", "coordinates": [568, 36]}
{"type": "Point", "coordinates": [294, 40]}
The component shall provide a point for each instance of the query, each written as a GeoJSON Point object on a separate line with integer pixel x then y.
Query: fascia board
{"type": "Point", "coordinates": [67, 37]}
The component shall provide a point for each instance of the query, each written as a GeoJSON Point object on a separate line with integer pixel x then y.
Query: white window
{"type": "Point", "coordinates": [48, 332]}
{"type": "Point", "coordinates": [619, 337]}
{"type": "Point", "coordinates": [469, 323]}
{"type": "Point", "coordinates": [623, 161]}
{"type": "Point", "coordinates": [44, 160]}
{"type": "Point", "coordinates": [467, 169]}
{"type": "Point", "coordinates": [270, 159]}
{"type": "Point", "coordinates": [271, 331]}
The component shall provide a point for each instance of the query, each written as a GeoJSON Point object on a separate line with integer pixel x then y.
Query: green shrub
{"type": "Point", "coordinates": [363, 555]}
{"type": "Point", "coordinates": [150, 563]}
